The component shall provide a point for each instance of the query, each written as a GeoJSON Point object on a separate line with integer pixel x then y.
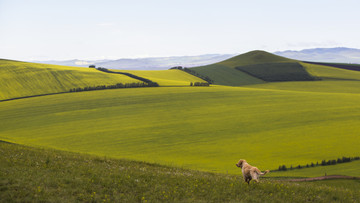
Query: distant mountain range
{"type": "Point", "coordinates": [340, 55]}
{"type": "Point", "coordinates": [153, 63]}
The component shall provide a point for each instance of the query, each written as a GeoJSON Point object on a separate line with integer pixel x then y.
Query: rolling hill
{"type": "Point", "coordinates": [254, 67]}
{"type": "Point", "coordinates": [171, 77]}
{"type": "Point", "coordinates": [22, 79]}
{"type": "Point", "coordinates": [224, 75]}
{"type": "Point", "coordinates": [204, 128]}
{"type": "Point", "coordinates": [43, 175]}
{"type": "Point", "coordinates": [259, 67]}
{"type": "Point", "coordinates": [254, 57]}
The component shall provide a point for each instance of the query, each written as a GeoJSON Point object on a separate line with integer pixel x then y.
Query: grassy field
{"type": "Point", "coordinates": [259, 67]}
{"type": "Point", "coordinates": [166, 77]}
{"type": "Point", "coordinates": [43, 175]}
{"type": "Point", "coordinates": [255, 57]}
{"type": "Point", "coordinates": [346, 66]}
{"type": "Point", "coordinates": [223, 75]}
{"type": "Point", "coordinates": [328, 86]}
{"type": "Point", "coordinates": [19, 79]}
{"type": "Point", "coordinates": [331, 73]}
{"type": "Point", "coordinates": [275, 72]}
{"type": "Point", "coordinates": [204, 128]}
{"type": "Point", "coordinates": [349, 169]}
{"type": "Point", "coordinates": [251, 68]}
{"type": "Point", "coordinates": [184, 128]}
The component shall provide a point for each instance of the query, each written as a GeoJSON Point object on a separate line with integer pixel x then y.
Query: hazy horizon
{"type": "Point", "coordinates": [95, 30]}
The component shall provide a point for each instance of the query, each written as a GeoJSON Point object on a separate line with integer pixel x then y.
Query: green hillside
{"type": "Point", "coordinates": [259, 67]}
{"type": "Point", "coordinates": [166, 77]}
{"type": "Point", "coordinates": [255, 67]}
{"type": "Point", "coordinates": [346, 66]}
{"type": "Point", "coordinates": [329, 86]}
{"type": "Point", "coordinates": [205, 128]}
{"type": "Point", "coordinates": [20, 79]}
{"type": "Point", "coordinates": [330, 79]}
{"type": "Point", "coordinates": [331, 73]}
{"type": "Point", "coordinates": [349, 169]}
{"type": "Point", "coordinates": [254, 57]}
{"type": "Point", "coordinates": [224, 75]}
{"type": "Point", "coordinates": [197, 134]}
{"type": "Point", "coordinates": [276, 72]}
{"type": "Point", "coordinates": [42, 175]}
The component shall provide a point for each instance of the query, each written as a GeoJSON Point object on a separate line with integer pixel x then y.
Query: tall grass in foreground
{"type": "Point", "coordinates": [31, 174]}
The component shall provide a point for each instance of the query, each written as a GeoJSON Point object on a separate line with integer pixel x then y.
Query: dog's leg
{"type": "Point", "coordinates": [247, 180]}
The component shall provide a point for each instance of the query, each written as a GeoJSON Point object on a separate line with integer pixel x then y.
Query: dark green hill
{"type": "Point", "coordinates": [277, 72]}
{"type": "Point", "coordinates": [254, 57]}
{"type": "Point", "coordinates": [254, 67]}
{"type": "Point", "coordinates": [224, 75]}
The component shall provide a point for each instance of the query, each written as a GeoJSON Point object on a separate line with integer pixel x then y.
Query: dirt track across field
{"type": "Point", "coordinates": [324, 178]}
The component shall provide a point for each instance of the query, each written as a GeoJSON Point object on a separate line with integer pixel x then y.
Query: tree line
{"type": "Point", "coordinates": [194, 73]}
{"type": "Point", "coordinates": [149, 82]}
{"type": "Point", "coordinates": [199, 84]}
{"type": "Point", "coordinates": [323, 163]}
{"type": "Point", "coordinates": [116, 86]}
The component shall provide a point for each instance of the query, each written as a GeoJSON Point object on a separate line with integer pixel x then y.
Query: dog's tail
{"type": "Point", "coordinates": [265, 172]}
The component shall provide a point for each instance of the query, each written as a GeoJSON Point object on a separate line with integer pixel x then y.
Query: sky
{"type": "Point", "coordinates": [113, 29]}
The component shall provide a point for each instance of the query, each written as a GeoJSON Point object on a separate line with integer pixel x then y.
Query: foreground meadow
{"type": "Point", "coordinates": [202, 128]}
{"type": "Point", "coordinates": [44, 175]}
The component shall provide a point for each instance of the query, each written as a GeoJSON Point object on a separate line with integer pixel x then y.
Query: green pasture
{"type": "Point", "coordinates": [45, 175]}
{"type": "Point", "coordinates": [166, 77]}
{"type": "Point", "coordinates": [224, 72]}
{"type": "Point", "coordinates": [348, 169]}
{"type": "Point", "coordinates": [223, 75]}
{"type": "Point", "coordinates": [203, 128]}
{"type": "Point", "coordinates": [273, 72]}
{"type": "Point", "coordinates": [20, 79]}
{"type": "Point", "coordinates": [255, 57]}
{"type": "Point", "coordinates": [329, 86]}
{"type": "Point", "coordinates": [331, 73]}
{"type": "Point", "coordinates": [256, 67]}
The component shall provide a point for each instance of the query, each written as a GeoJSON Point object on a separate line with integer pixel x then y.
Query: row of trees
{"type": "Point", "coordinates": [194, 73]}
{"type": "Point", "coordinates": [118, 85]}
{"type": "Point", "coordinates": [323, 163]}
{"type": "Point", "coordinates": [149, 82]}
{"type": "Point", "coordinates": [199, 84]}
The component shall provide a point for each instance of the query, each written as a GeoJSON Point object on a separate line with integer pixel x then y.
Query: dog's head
{"type": "Point", "coordinates": [240, 163]}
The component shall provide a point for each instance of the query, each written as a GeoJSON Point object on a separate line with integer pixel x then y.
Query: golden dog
{"type": "Point", "coordinates": [250, 172]}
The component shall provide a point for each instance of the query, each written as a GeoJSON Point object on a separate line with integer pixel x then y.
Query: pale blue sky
{"type": "Point", "coordinates": [88, 29]}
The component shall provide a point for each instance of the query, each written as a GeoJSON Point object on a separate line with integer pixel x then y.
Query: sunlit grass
{"type": "Point", "coordinates": [39, 175]}
{"type": "Point", "coordinates": [19, 79]}
{"type": "Point", "coordinates": [348, 169]}
{"type": "Point", "coordinates": [328, 86]}
{"type": "Point", "coordinates": [166, 77]}
{"type": "Point", "coordinates": [205, 128]}
{"type": "Point", "coordinates": [331, 73]}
